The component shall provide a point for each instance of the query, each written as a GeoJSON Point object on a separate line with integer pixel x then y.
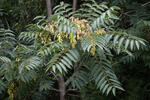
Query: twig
{"type": "Point", "coordinates": [54, 75]}
{"type": "Point", "coordinates": [7, 23]}
{"type": "Point", "coordinates": [72, 90]}
{"type": "Point", "coordinates": [73, 95]}
{"type": "Point", "coordinates": [145, 3]}
{"type": "Point", "coordinates": [76, 65]}
{"type": "Point", "coordinates": [55, 89]}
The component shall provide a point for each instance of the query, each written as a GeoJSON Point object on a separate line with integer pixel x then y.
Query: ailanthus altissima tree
{"type": "Point", "coordinates": [76, 48]}
{"type": "Point", "coordinates": [79, 46]}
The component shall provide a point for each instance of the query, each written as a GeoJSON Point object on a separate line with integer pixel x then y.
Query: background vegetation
{"type": "Point", "coordinates": [46, 57]}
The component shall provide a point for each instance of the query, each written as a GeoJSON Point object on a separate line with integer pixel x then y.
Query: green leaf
{"type": "Point", "coordinates": [65, 63]}
{"type": "Point", "coordinates": [63, 66]}
{"type": "Point", "coordinates": [127, 43]}
{"type": "Point", "coordinates": [116, 38]}
{"type": "Point", "coordinates": [59, 68]}
{"type": "Point", "coordinates": [71, 57]}
{"type": "Point", "coordinates": [137, 45]}
{"type": "Point", "coordinates": [114, 91]}
{"type": "Point", "coordinates": [121, 41]}
{"type": "Point", "coordinates": [132, 44]}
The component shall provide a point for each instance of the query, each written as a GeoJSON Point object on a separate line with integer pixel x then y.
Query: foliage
{"type": "Point", "coordinates": [92, 37]}
{"type": "Point", "coordinates": [87, 47]}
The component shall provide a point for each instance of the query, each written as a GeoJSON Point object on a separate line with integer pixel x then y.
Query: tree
{"type": "Point", "coordinates": [49, 7]}
{"type": "Point", "coordinates": [95, 41]}
{"type": "Point", "coordinates": [75, 4]}
{"type": "Point", "coordinates": [78, 49]}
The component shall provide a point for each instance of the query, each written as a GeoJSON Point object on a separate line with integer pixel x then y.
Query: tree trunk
{"type": "Point", "coordinates": [61, 81]}
{"type": "Point", "coordinates": [62, 88]}
{"type": "Point", "coordinates": [75, 4]}
{"type": "Point", "coordinates": [49, 7]}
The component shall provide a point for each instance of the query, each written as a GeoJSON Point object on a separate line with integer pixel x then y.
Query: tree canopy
{"type": "Point", "coordinates": [78, 49]}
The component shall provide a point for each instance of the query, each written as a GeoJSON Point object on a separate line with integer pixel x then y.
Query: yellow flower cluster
{"type": "Point", "coordinates": [51, 27]}
{"type": "Point", "coordinates": [100, 31]}
{"type": "Point", "coordinates": [92, 50]}
{"type": "Point", "coordinates": [45, 36]}
{"type": "Point", "coordinates": [73, 40]}
{"type": "Point", "coordinates": [82, 30]}
{"type": "Point", "coordinates": [18, 59]}
{"type": "Point", "coordinates": [93, 46]}
{"type": "Point", "coordinates": [11, 91]}
{"type": "Point", "coordinates": [59, 37]}
{"type": "Point", "coordinates": [82, 26]}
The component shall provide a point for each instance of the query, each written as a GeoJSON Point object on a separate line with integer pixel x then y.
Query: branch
{"type": "Point", "coordinates": [145, 3]}
{"type": "Point", "coordinates": [55, 89]}
{"type": "Point", "coordinates": [72, 90]}
{"type": "Point", "coordinates": [7, 23]}
{"type": "Point", "coordinates": [73, 95]}
{"type": "Point", "coordinates": [55, 75]}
